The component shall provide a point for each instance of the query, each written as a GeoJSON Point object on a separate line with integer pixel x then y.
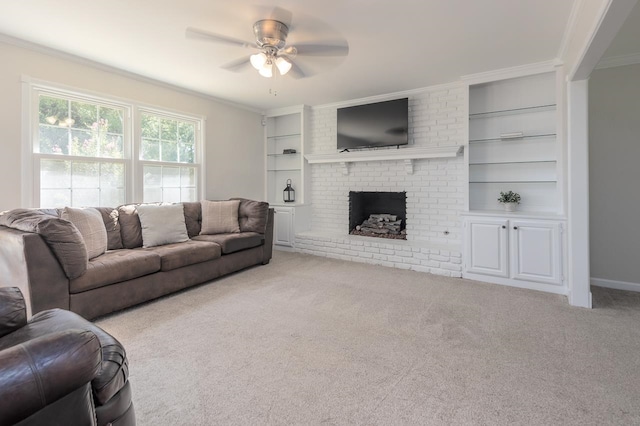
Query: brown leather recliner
{"type": "Point", "coordinates": [59, 369]}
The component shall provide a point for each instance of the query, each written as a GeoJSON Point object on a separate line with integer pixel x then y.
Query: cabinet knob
{"type": "Point", "coordinates": [504, 226]}
{"type": "Point", "coordinates": [515, 227]}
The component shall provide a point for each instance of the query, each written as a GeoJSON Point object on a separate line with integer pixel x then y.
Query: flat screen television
{"type": "Point", "coordinates": [374, 125]}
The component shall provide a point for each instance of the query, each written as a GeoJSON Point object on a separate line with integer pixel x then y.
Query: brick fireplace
{"type": "Point", "coordinates": [364, 204]}
{"type": "Point", "coordinates": [433, 191]}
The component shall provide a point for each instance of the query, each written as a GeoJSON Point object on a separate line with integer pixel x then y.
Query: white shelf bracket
{"type": "Point", "coordinates": [345, 167]}
{"type": "Point", "coordinates": [408, 166]}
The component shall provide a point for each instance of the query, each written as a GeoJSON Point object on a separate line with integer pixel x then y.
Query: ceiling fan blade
{"type": "Point", "coordinates": [295, 71]}
{"type": "Point", "coordinates": [237, 65]}
{"type": "Point", "coordinates": [321, 50]}
{"type": "Point", "coordinates": [197, 33]}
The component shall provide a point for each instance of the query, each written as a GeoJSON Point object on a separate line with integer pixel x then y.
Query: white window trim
{"type": "Point", "coordinates": [31, 88]}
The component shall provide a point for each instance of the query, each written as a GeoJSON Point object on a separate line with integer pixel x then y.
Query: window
{"type": "Point", "coordinates": [84, 154]}
{"type": "Point", "coordinates": [168, 157]}
{"type": "Point", "coordinates": [80, 152]}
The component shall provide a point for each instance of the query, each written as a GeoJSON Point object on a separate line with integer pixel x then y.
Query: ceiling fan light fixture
{"type": "Point", "coordinates": [283, 65]}
{"type": "Point", "coordinates": [266, 70]}
{"type": "Point", "coordinates": [258, 60]}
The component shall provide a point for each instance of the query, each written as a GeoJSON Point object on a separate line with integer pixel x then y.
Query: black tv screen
{"type": "Point", "coordinates": [374, 125]}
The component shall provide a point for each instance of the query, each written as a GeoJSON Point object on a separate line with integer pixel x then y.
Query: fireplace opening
{"type": "Point", "coordinates": [378, 214]}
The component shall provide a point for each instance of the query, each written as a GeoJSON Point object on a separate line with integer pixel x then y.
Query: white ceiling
{"type": "Point", "coordinates": [393, 45]}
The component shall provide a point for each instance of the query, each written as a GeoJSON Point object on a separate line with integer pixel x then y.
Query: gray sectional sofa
{"type": "Point", "coordinates": [41, 254]}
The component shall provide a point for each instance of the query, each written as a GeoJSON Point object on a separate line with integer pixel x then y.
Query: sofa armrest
{"type": "Point", "coordinates": [27, 262]}
{"type": "Point", "coordinates": [268, 239]}
{"type": "Point", "coordinates": [41, 371]}
{"type": "Point", "coordinates": [13, 312]}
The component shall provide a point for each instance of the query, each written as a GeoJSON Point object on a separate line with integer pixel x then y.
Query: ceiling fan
{"type": "Point", "coordinates": [273, 54]}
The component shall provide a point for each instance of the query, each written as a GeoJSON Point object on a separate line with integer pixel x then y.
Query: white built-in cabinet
{"type": "Point", "coordinates": [285, 132]}
{"type": "Point", "coordinates": [515, 145]}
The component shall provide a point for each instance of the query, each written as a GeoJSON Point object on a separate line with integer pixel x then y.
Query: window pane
{"type": "Point", "coordinates": [113, 118]}
{"type": "Point", "coordinates": [186, 132]}
{"type": "Point", "coordinates": [111, 197]}
{"type": "Point", "coordinates": [83, 144]}
{"type": "Point", "coordinates": [150, 126]}
{"type": "Point", "coordinates": [169, 130]}
{"type": "Point", "coordinates": [53, 139]}
{"type": "Point", "coordinates": [51, 109]}
{"type": "Point", "coordinates": [86, 197]}
{"type": "Point", "coordinates": [55, 174]}
{"type": "Point", "coordinates": [85, 175]}
{"type": "Point", "coordinates": [171, 195]}
{"type": "Point", "coordinates": [50, 198]}
{"type": "Point", "coordinates": [152, 176]}
{"type": "Point", "coordinates": [152, 195]}
{"type": "Point", "coordinates": [188, 176]}
{"type": "Point", "coordinates": [150, 150]}
{"type": "Point", "coordinates": [111, 146]}
{"type": "Point", "coordinates": [83, 114]}
{"type": "Point", "coordinates": [169, 151]}
{"type": "Point", "coordinates": [171, 177]}
{"type": "Point", "coordinates": [111, 175]}
{"type": "Point", "coordinates": [187, 153]}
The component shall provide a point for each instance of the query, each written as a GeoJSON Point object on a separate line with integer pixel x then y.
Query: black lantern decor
{"type": "Point", "coordinates": [289, 194]}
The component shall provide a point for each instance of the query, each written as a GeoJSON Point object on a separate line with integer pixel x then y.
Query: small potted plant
{"type": "Point", "coordinates": [510, 199]}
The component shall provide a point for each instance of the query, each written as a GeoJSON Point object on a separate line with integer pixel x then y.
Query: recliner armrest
{"type": "Point", "coordinates": [13, 311]}
{"type": "Point", "coordinates": [41, 371]}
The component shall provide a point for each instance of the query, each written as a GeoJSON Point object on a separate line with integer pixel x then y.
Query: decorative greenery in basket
{"type": "Point", "coordinates": [509, 197]}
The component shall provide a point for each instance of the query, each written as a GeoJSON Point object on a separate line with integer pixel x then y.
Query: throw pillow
{"type": "Point", "coordinates": [219, 217]}
{"type": "Point", "coordinates": [162, 224]}
{"type": "Point", "coordinates": [91, 226]}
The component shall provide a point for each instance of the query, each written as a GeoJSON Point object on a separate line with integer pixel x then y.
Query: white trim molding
{"type": "Point", "coordinates": [619, 61]}
{"type": "Point", "coordinates": [617, 285]}
{"type": "Point", "coordinates": [512, 72]}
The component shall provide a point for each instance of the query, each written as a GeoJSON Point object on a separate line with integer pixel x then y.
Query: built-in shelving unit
{"type": "Point", "coordinates": [513, 143]}
{"type": "Point", "coordinates": [285, 135]}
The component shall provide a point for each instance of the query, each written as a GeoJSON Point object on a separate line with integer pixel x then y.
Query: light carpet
{"type": "Point", "coordinates": [310, 340]}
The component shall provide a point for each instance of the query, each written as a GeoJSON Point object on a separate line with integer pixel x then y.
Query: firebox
{"type": "Point", "coordinates": [378, 214]}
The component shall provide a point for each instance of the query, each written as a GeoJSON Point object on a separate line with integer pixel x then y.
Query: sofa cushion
{"type": "Point", "coordinates": [91, 226]}
{"type": "Point", "coordinates": [192, 217]}
{"type": "Point", "coordinates": [163, 224]}
{"type": "Point", "coordinates": [219, 217]}
{"type": "Point", "coordinates": [112, 225]}
{"type": "Point", "coordinates": [13, 312]}
{"type": "Point", "coordinates": [115, 370]}
{"type": "Point", "coordinates": [174, 256]}
{"type": "Point", "coordinates": [233, 242]}
{"type": "Point", "coordinates": [62, 237]}
{"type": "Point", "coordinates": [130, 229]}
{"type": "Point", "coordinates": [115, 266]}
{"type": "Point", "coordinates": [252, 215]}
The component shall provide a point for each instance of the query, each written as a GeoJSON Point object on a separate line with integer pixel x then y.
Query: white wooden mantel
{"type": "Point", "coordinates": [408, 155]}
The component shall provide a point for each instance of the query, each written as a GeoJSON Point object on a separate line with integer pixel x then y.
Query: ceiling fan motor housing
{"type": "Point", "coordinates": [270, 33]}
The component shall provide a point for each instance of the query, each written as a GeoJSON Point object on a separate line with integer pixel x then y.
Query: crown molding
{"type": "Point", "coordinates": [391, 96]}
{"type": "Point", "coordinates": [512, 72]}
{"type": "Point", "coordinates": [24, 44]}
{"type": "Point", "coordinates": [569, 29]}
{"type": "Point", "coordinates": [619, 61]}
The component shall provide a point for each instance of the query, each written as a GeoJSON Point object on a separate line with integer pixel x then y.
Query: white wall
{"type": "Point", "coordinates": [234, 136]}
{"type": "Point", "coordinates": [614, 173]}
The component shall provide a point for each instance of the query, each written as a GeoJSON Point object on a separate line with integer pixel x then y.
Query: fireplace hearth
{"type": "Point", "coordinates": [378, 214]}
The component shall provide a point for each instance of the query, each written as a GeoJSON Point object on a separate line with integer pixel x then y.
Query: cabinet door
{"type": "Point", "coordinates": [535, 251]}
{"type": "Point", "coordinates": [283, 226]}
{"type": "Point", "coordinates": [486, 247]}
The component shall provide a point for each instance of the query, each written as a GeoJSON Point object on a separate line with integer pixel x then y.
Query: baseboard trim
{"type": "Point", "coordinates": [617, 285]}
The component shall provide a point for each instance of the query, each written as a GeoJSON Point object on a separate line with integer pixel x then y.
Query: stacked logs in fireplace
{"type": "Point", "coordinates": [381, 225]}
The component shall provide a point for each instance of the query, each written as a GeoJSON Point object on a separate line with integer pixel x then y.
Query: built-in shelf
{"type": "Point", "coordinates": [514, 181]}
{"type": "Point", "coordinates": [283, 170]}
{"type": "Point", "coordinates": [524, 137]}
{"type": "Point", "coordinates": [290, 135]}
{"type": "Point", "coordinates": [512, 162]}
{"type": "Point", "coordinates": [524, 110]}
{"type": "Point", "coordinates": [283, 155]}
{"type": "Point", "coordinates": [406, 154]}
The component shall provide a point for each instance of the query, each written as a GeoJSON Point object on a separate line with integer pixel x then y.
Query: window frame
{"type": "Point", "coordinates": [132, 130]}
